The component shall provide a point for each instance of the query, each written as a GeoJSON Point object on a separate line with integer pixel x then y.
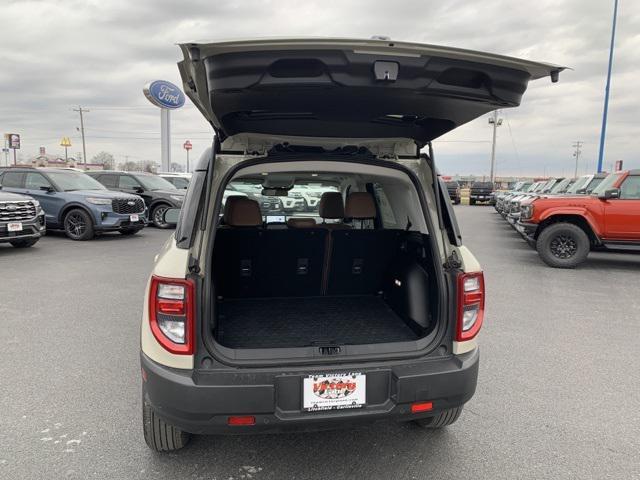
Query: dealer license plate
{"type": "Point", "coordinates": [334, 391]}
{"type": "Point", "coordinates": [14, 227]}
{"type": "Point", "coordinates": [135, 217]}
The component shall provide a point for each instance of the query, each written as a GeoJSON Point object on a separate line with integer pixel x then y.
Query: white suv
{"type": "Point", "coordinates": [369, 312]}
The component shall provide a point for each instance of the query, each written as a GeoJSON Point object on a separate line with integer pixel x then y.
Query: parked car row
{"type": "Point", "coordinates": [564, 219]}
{"type": "Point", "coordinates": [81, 204]}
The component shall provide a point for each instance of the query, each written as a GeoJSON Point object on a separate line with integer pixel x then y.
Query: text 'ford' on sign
{"type": "Point", "coordinates": [164, 94]}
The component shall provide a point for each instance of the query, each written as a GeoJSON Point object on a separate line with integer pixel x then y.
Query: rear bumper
{"type": "Point", "coordinates": [202, 402]}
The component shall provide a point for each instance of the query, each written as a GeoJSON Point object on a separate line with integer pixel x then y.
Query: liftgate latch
{"type": "Point", "coordinates": [386, 71]}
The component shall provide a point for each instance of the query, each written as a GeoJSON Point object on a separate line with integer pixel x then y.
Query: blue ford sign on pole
{"type": "Point", "coordinates": [168, 97]}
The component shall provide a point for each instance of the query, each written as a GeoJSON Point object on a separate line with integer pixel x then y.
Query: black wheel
{"type": "Point", "coordinates": [78, 225]}
{"type": "Point", "coordinates": [443, 419]}
{"type": "Point", "coordinates": [159, 435]}
{"type": "Point", "coordinates": [563, 245]}
{"type": "Point", "coordinates": [129, 231]}
{"type": "Point", "coordinates": [24, 243]}
{"type": "Point", "coordinates": [472, 202]}
{"type": "Point", "coordinates": [157, 216]}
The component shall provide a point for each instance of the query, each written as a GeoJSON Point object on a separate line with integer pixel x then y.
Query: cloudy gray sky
{"type": "Point", "coordinates": [55, 55]}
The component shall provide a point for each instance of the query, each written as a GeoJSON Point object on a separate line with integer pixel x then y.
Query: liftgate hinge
{"type": "Point", "coordinates": [453, 262]}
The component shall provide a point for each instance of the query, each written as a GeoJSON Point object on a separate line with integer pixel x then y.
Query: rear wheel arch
{"type": "Point", "coordinates": [577, 220]}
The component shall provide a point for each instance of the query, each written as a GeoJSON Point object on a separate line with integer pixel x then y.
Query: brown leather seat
{"type": "Point", "coordinates": [302, 222]}
{"type": "Point", "coordinates": [242, 212]}
{"type": "Point", "coordinates": [331, 207]}
{"type": "Point", "coordinates": [360, 206]}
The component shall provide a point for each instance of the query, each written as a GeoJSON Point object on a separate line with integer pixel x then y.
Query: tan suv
{"type": "Point", "coordinates": [368, 308]}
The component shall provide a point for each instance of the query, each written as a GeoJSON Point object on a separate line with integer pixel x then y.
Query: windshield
{"type": "Point", "coordinates": [179, 182]}
{"type": "Point", "coordinates": [547, 186]}
{"type": "Point", "coordinates": [594, 183]}
{"type": "Point", "coordinates": [152, 182]}
{"type": "Point", "coordinates": [579, 183]}
{"type": "Point", "coordinates": [560, 186]}
{"type": "Point", "coordinates": [607, 183]}
{"type": "Point", "coordinates": [70, 181]}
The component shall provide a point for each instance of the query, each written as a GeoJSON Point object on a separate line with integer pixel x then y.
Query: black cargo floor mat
{"type": "Point", "coordinates": [299, 322]}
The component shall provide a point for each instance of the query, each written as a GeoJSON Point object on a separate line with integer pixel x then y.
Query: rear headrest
{"type": "Point", "coordinates": [306, 222]}
{"type": "Point", "coordinates": [331, 206]}
{"type": "Point", "coordinates": [360, 205]}
{"type": "Point", "coordinates": [242, 212]}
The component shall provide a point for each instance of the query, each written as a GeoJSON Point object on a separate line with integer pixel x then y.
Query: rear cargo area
{"type": "Point", "coordinates": [304, 321]}
{"type": "Point", "coordinates": [288, 288]}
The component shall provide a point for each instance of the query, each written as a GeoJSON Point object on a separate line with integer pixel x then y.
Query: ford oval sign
{"type": "Point", "coordinates": [164, 94]}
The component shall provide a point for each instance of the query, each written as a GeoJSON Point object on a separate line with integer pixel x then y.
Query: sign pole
{"type": "Point", "coordinates": [603, 131]}
{"type": "Point", "coordinates": [165, 138]}
{"type": "Point", "coordinates": [15, 162]}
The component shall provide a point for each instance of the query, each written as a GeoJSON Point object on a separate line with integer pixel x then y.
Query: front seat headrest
{"type": "Point", "coordinates": [242, 212]}
{"type": "Point", "coordinates": [360, 205]}
{"type": "Point", "coordinates": [331, 206]}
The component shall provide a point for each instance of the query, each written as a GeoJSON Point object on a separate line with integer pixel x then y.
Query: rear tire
{"type": "Point", "coordinates": [472, 202]}
{"type": "Point", "coordinates": [159, 435]}
{"type": "Point", "coordinates": [447, 417]}
{"type": "Point", "coordinates": [563, 245]}
{"type": "Point", "coordinates": [78, 225]}
{"type": "Point", "coordinates": [24, 243]}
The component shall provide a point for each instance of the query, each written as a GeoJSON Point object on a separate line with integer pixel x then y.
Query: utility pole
{"type": "Point", "coordinates": [495, 122]}
{"type": "Point", "coordinates": [577, 145]}
{"type": "Point", "coordinates": [603, 131]}
{"type": "Point", "coordinates": [84, 145]}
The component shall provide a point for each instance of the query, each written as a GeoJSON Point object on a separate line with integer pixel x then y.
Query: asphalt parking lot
{"type": "Point", "coordinates": [558, 393]}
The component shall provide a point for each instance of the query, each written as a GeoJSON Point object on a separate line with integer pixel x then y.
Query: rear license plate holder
{"type": "Point", "coordinates": [334, 391]}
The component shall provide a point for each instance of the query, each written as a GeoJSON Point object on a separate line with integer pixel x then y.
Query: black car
{"type": "Point", "coordinates": [480, 192]}
{"type": "Point", "coordinates": [21, 220]}
{"type": "Point", "coordinates": [158, 193]}
{"type": "Point", "coordinates": [454, 192]}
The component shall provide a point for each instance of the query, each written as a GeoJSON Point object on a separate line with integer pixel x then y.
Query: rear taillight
{"type": "Point", "coordinates": [470, 305]}
{"type": "Point", "coordinates": [171, 314]}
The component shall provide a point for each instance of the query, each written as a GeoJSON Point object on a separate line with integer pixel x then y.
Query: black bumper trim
{"type": "Point", "coordinates": [200, 402]}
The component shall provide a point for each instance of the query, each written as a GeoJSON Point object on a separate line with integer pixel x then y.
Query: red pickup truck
{"type": "Point", "coordinates": [565, 229]}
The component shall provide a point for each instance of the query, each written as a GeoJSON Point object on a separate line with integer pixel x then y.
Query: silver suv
{"type": "Point", "coordinates": [369, 309]}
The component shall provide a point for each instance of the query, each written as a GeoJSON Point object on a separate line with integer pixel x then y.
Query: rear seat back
{"type": "Point", "coordinates": [238, 265]}
{"type": "Point", "coordinates": [360, 258]}
{"type": "Point", "coordinates": [293, 262]}
{"type": "Point", "coordinates": [252, 261]}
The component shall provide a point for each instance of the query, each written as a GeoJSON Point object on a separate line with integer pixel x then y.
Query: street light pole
{"type": "Point", "coordinates": [495, 122]}
{"type": "Point", "coordinates": [576, 154]}
{"type": "Point", "coordinates": [603, 130]}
